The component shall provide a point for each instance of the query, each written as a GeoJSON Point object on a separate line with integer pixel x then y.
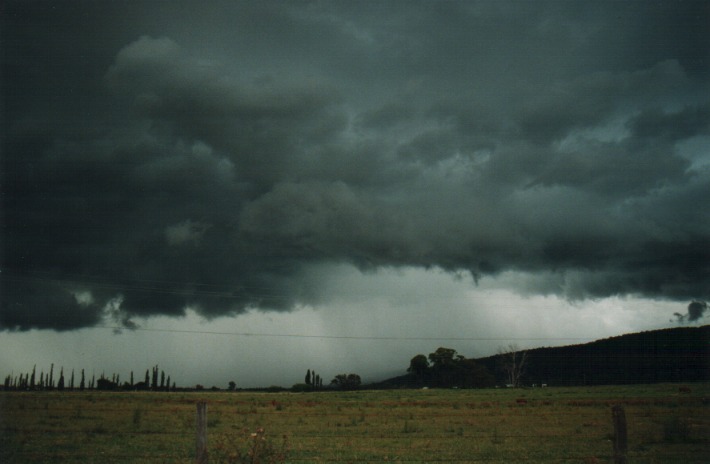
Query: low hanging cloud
{"type": "Point", "coordinates": [696, 311]}
{"type": "Point", "coordinates": [215, 188]}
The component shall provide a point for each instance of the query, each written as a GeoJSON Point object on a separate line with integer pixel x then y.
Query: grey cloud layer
{"type": "Point", "coordinates": [463, 136]}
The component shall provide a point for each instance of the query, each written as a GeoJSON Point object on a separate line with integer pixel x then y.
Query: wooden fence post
{"type": "Point", "coordinates": [620, 437]}
{"type": "Point", "coordinates": [201, 433]}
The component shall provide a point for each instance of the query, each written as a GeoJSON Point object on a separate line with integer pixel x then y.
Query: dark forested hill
{"type": "Point", "coordinates": [668, 355]}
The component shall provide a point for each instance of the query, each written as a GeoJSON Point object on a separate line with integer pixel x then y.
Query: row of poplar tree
{"type": "Point", "coordinates": [29, 381]}
{"type": "Point", "coordinates": [314, 380]}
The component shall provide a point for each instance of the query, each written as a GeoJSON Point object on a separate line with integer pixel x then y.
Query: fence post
{"type": "Point", "coordinates": [201, 433]}
{"type": "Point", "coordinates": [620, 437]}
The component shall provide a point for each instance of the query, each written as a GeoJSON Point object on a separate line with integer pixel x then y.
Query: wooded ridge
{"type": "Point", "coordinates": [668, 355]}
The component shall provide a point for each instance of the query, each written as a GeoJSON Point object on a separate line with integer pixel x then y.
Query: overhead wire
{"type": "Point", "coordinates": [96, 282]}
{"type": "Point", "coordinates": [341, 337]}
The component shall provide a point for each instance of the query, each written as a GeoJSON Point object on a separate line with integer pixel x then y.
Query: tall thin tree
{"type": "Point", "coordinates": [513, 363]}
{"type": "Point", "coordinates": [154, 384]}
{"type": "Point", "coordinates": [60, 383]}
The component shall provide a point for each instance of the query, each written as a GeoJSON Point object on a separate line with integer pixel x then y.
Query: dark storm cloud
{"type": "Point", "coordinates": [696, 311]}
{"type": "Point", "coordinates": [194, 163]}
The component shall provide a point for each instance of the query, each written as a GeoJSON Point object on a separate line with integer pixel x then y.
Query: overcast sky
{"type": "Point", "coordinates": [228, 189]}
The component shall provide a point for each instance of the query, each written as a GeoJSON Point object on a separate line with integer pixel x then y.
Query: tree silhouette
{"type": "Point", "coordinates": [419, 366]}
{"type": "Point", "coordinates": [60, 383]}
{"type": "Point", "coordinates": [513, 363]}
{"type": "Point", "coordinates": [106, 384]}
{"type": "Point", "coordinates": [154, 384]}
{"type": "Point", "coordinates": [346, 381]}
{"type": "Point", "coordinates": [443, 357]}
{"type": "Point", "coordinates": [446, 368]}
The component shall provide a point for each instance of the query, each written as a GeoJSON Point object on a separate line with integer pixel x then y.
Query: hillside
{"type": "Point", "coordinates": [668, 355]}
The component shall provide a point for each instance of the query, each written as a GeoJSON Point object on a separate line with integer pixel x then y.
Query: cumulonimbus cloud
{"type": "Point", "coordinates": [218, 191]}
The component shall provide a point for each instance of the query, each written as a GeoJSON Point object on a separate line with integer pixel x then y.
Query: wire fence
{"type": "Point", "coordinates": [397, 426]}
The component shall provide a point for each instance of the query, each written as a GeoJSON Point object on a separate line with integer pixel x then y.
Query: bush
{"type": "Point", "coordinates": [301, 387]}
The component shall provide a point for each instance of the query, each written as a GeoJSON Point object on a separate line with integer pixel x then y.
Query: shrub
{"type": "Point", "coordinates": [301, 387]}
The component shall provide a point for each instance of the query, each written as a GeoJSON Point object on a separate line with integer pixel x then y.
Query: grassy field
{"type": "Point", "coordinates": [543, 425]}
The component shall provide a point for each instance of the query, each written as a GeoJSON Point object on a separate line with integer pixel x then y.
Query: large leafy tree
{"type": "Point", "coordinates": [445, 368]}
{"type": "Point", "coordinates": [419, 367]}
{"type": "Point", "coordinates": [346, 381]}
{"type": "Point", "coordinates": [443, 358]}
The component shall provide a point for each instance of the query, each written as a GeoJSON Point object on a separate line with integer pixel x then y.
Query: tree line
{"type": "Point", "coordinates": [154, 380]}
{"type": "Point", "coordinates": [445, 368]}
{"type": "Point", "coordinates": [668, 355]}
{"type": "Point", "coordinates": [314, 382]}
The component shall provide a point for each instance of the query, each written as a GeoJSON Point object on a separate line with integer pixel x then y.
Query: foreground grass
{"type": "Point", "coordinates": [541, 425]}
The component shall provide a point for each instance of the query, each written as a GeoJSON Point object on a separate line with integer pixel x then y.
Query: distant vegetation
{"type": "Point", "coordinates": [669, 355]}
{"type": "Point", "coordinates": [445, 368]}
{"type": "Point", "coordinates": [157, 381]}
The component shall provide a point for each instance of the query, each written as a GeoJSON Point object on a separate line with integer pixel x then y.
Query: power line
{"type": "Point", "coordinates": [340, 337]}
{"type": "Point", "coordinates": [238, 292]}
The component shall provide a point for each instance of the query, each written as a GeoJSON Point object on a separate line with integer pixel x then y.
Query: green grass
{"type": "Point", "coordinates": [568, 425]}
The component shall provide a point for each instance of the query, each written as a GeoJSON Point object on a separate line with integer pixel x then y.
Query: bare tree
{"type": "Point", "coordinates": [513, 363]}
